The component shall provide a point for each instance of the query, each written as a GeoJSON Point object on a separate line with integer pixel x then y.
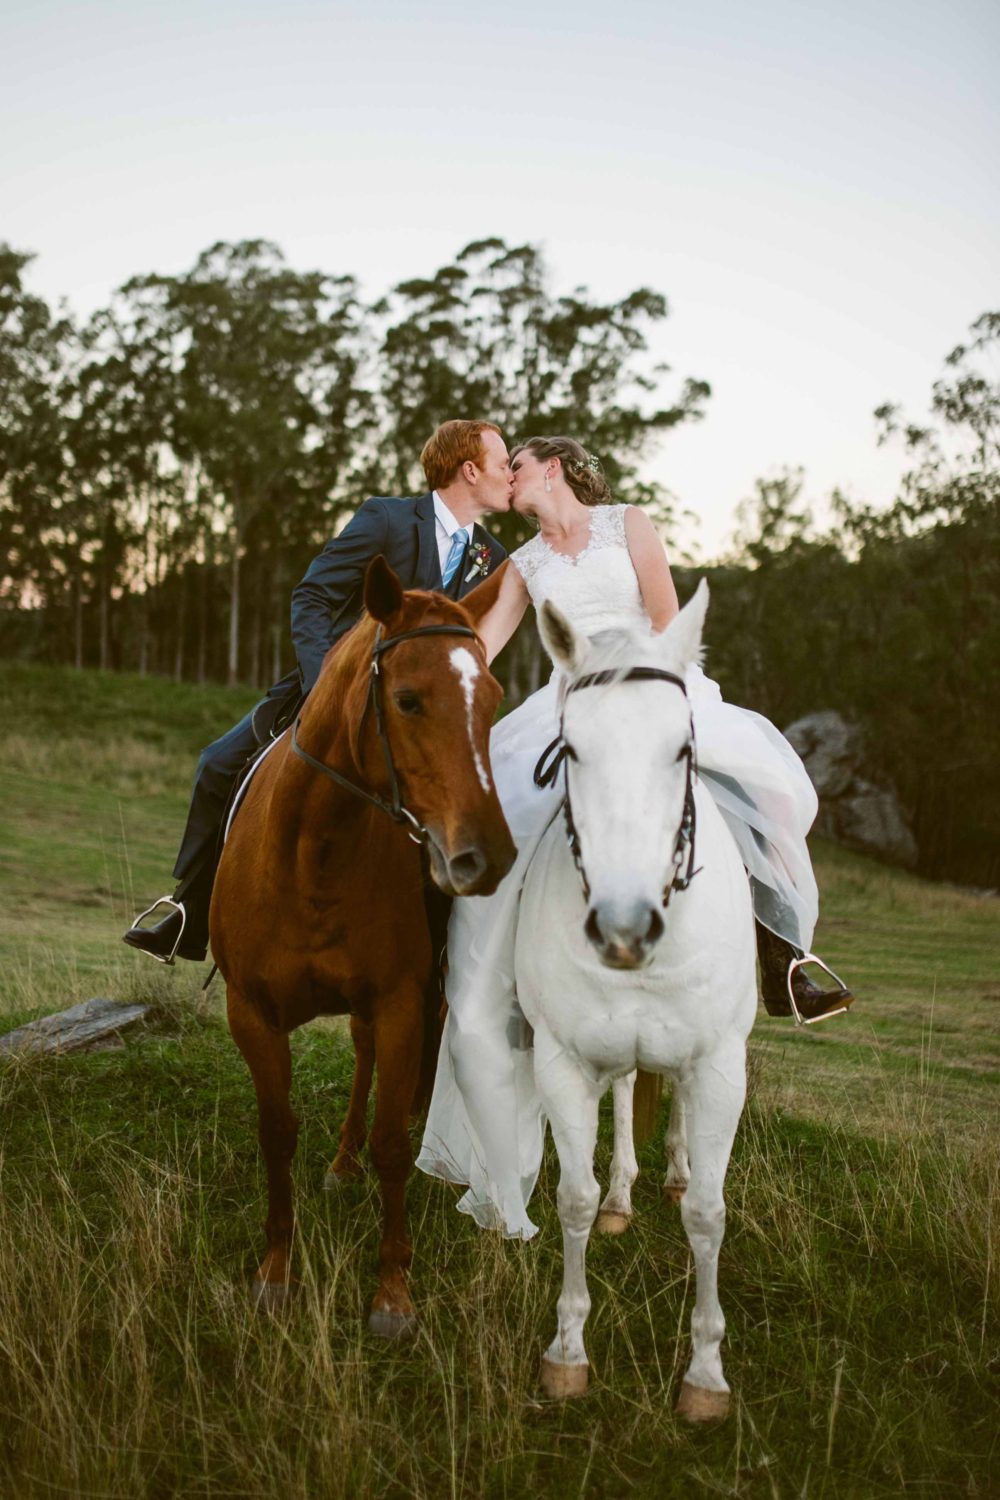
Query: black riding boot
{"type": "Point", "coordinates": [160, 939]}
{"type": "Point", "coordinates": [775, 956]}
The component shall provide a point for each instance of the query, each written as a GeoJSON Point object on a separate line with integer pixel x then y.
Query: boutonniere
{"type": "Point", "coordinates": [480, 558]}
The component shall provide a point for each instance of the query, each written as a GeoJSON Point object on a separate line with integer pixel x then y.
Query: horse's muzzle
{"type": "Point", "coordinates": [476, 869]}
{"type": "Point", "coordinates": [624, 938]}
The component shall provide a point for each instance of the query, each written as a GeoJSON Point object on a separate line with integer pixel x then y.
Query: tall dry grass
{"type": "Point", "coordinates": [859, 1278]}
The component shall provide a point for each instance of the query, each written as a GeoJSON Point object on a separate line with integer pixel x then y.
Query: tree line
{"type": "Point", "coordinates": [169, 467]}
{"type": "Point", "coordinates": [891, 616]}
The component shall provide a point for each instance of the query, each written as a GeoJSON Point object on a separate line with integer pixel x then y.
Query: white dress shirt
{"type": "Point", "coordinates": [445, 527]}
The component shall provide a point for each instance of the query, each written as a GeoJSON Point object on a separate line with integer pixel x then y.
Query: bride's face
{"type": "Point", "coordinates": [529, 481]}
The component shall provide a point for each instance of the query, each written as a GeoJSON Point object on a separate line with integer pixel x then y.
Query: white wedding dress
{"type": "Point", "coordinates": [485, 1126]}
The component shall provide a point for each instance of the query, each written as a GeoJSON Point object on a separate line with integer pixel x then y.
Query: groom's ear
{"type": "Point", "coordinates": [565, 646]}
{"type": "Point", "coordinates": [481, 599]}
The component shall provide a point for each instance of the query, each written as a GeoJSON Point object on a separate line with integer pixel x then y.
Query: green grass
{"type": "Point", "coordinates": [859, 1272]}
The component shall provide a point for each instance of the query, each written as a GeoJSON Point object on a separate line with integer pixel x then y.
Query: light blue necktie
{"type": "Point", "coordinates": [454, 558]}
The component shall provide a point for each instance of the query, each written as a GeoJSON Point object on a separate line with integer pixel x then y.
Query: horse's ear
{"type": "Point", "coordinates": [565, 646]}
{"type": "Point", "coordinates": [682, 637]}
{"type": "Point", "coordinates": [383, 590]}
{"type": "Point", "coordinates": [481, 599]}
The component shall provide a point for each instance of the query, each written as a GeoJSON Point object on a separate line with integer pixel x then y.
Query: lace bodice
{"type": "Point", "coordinates": [597, 589]}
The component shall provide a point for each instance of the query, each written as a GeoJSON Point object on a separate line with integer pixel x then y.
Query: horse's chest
{"type": "Point", "coordinates": [616, 1035]}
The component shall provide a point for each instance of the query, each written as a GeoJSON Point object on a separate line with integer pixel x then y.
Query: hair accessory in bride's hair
{"type": "Point", "coordinates": [588, 461]}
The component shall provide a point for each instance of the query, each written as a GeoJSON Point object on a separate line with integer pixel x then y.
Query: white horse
{"type": "Point", "coordinates": [612, 981]}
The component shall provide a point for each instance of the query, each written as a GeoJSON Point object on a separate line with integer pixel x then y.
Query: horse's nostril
{"type": "Point", "coordinates": [592, 927]}
{"type": "Point", "coordinates": [467, 867]}
{"type": "Point", "coordinates": [655, 929]}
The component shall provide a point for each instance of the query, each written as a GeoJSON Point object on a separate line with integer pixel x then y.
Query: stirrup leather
{"type": "Point", "coordinates": [793, 968]}
{"type": "Point", "coordinates": [170, 957]}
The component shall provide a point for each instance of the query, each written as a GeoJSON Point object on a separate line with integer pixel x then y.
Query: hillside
{"type": "Point", "coordinates": [859, 1275]}
{"type": "Point", "coordinates": [96, 769]}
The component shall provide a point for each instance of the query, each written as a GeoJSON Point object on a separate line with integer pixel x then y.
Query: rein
{"type": "Point", "coordinates": [560, 753]}
{"type": "Point", "coordinates": [393, 808]}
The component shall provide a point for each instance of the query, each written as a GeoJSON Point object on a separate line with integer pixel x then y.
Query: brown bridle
{"type": "Point", "coordinates": [394, 807]}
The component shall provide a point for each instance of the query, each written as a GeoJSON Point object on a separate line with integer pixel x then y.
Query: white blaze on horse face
{"type": "Point", "coordinates": [467, 667]}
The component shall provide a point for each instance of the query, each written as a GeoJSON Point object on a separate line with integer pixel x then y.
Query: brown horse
{"type": "Point", "coordinates": [318, 906]}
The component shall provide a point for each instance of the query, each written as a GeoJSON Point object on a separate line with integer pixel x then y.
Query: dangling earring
{"type": "Point", "coordinates": [548, 485]}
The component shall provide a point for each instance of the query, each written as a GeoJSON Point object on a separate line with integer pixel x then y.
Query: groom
{"type": "Point", "coordinates": [431, 541]}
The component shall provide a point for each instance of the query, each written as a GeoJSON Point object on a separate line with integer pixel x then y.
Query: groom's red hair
{"type": "Point", "coordinates": [452, 445]}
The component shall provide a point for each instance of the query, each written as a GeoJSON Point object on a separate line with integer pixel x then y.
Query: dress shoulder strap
{"type": "Point", "coordinates": [528, 559]}
{"type": "Point", "coordinates": [607, 526]}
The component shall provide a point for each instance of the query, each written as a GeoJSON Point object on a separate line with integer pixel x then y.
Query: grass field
{"type": "Point", "coordinates": [859, 1274]}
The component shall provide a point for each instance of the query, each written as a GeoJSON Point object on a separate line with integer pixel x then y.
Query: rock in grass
{"type": "Point", "coordinates": [85, 1027]}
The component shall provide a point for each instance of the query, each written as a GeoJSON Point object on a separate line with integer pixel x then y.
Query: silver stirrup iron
{"type": "Point", "coordinates": [176, 906]}
{"type": "Point", "coordinates": [793, 968]}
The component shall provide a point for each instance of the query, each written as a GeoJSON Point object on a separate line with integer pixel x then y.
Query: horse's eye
{"type": "Point", "coordinates": [407, 702]}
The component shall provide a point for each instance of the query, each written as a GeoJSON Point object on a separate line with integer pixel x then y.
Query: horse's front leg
{"type": "Point", "coordinates": [268, 1057]}
{"type": "Point", "coordinates": [346, 1165]}
{"type": "Point", "coordinates": [714, 1096]}
{"type": "Point", "coordinates": [398, 1044]}
{"type": "Point", "coordinates": [571, 1103]}
{"type": "Point", "coordinates": [616, 1210]}
{"type": "Point", "coordinates": [676, 1147]}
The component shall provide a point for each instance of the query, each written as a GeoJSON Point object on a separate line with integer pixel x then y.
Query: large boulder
{"type": "Point", "coordinates": [854, 809]}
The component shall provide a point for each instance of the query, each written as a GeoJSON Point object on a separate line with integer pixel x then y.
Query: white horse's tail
{"type": "Point", "coordinates": [646, 1106]}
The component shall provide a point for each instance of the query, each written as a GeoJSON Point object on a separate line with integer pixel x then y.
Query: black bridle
{"type": "Point", "coordinates": [560, 752]}
{"type": "Point", "coordinates": [394, 807]}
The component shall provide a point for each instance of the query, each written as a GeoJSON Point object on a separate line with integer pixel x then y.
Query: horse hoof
{"type": "Point", "coordinates": [387, 1324]}
{"type": "Point", "coordinates": [333, 1182]}
{"type": "Point", "coordinates": [696, 1404]}
{"type": "Point", "coordinates": [673, 1192]}
{"type": "Point", "coordinates": [563, 1382]}
{"type": "Point", "coordinates": [271, 1297]}
{"type": "Point", "coordinates": [609, 1221]}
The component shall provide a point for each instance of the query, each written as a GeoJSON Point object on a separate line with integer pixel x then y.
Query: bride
{"type": "Point", "coordinates": [604, 566]}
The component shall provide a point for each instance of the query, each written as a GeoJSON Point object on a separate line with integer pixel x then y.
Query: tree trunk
{"type": "Point", "coordinates": [78, 623]}
{"type": "Point", "coordinates": [203, 613]}
{"type": "Point", "coordinates": [232, 675]}
{"type": "Point", "coordinates": [104, 609]}
{"type": "Point", "coordinates": [255, 640]}
{"type": "Point", "coordinates": [181, 621]}
{"type": "Point", "coordinates": [277, 622]}
{"type": "Point", "coordinates": [144, 632]}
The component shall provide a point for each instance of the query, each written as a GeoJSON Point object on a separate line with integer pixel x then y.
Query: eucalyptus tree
{"type": "Point", "coordinates": [266, 398]}
{"type": "Point", "coordinates": [36, 562]}
{"type": "Point", "coordinates": [121, 400]}
{"type": "Point", "coordinates": [487, 336]}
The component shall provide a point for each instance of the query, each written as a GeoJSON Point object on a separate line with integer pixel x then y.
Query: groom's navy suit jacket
{"type": "Point", "coordinates": [329, 601]}
{"type": "Point", "coordinates": [325, 605]}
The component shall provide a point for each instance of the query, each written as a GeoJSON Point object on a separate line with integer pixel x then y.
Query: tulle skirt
{"type": "Point", "coordinates": [485, 1126]}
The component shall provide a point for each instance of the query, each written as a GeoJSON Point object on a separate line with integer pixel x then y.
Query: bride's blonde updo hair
{"type": "Point", "coordinates": [581, 470]}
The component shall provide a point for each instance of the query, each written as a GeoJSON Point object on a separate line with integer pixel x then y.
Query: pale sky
{"type": "Point", "coordinates": [814, 188]}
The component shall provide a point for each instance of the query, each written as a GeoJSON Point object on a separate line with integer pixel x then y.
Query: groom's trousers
{"type": "Point", "coordinates": [216, 778]}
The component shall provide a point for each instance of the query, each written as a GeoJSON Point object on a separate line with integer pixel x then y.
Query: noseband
{"type": "Point", "coordinates": [554, 755]}
{"type": "Point", "coordinates": [394, 807]}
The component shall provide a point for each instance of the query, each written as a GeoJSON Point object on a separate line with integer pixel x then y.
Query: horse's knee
{"type": "Point", "coordinates": [704, 1218]}
{"type": "Point", "coordinates": [390, 1152]}
{"type": "Point", "coordinates": [278, 1136]}
{"type": "Point", "coordinates": [578, 1203]}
